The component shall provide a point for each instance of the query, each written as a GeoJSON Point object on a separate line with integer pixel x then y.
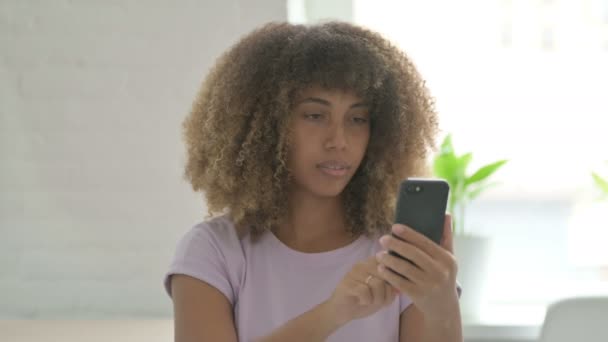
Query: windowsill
{"type": "Point", "coordinates": [506, 323]}
{"type": "Point", "coordinates": [483, 332]}
{"type": "Point", "coordinates": [162, 330]}
{"type": "Point", "coordinates": [522, 321]}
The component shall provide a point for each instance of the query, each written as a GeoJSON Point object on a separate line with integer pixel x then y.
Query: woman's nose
{"type": "Point", "coordinates": [336, 138]}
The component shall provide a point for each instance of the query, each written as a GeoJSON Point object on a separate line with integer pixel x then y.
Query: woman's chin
{"type": "Point", "coordinates": [322, 188]}
{"type": "Point", "coordinates": [328, 191]}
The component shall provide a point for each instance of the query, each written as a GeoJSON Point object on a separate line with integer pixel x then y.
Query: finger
{"type": "Point", "coordinates": [447, 241]}
{"type": "Point", "coordinates": [370, 267]}
{"type": "Point", "coordinates": [416, 238]}
{"type": "Point", "coordinates": [376, 284]}
{"type": "Point", "coordinates": [383, 292]}
{"type": "Point", "coordinates": [402, 284]}
{"type": "Point", "coordinates": [389, 292]}
{"type": "Point", "coordinates": [409, 251]}
{"type": "Point", "coordinates": [362, 292]}
{"type": "Point", "coordinates": [403, 267]}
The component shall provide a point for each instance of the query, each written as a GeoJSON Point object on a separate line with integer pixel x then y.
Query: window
{"type": "Point", "coordinates": [526, 81]}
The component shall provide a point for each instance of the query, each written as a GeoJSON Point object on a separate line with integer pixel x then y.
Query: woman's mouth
{"type": "Point", "coordinates": [334, 168]}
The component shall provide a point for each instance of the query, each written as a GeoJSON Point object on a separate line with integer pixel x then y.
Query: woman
{"type": "Point", "coordinates": [299, 139]}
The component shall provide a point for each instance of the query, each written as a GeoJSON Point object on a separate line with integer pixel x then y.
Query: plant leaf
{"type": "Point", "coordinates": [601, 182]}
{"type": "Point", "coordinates": [445, 162]}
{"type": "Point", "coordinates": [446, 145]}
{"type": "Point", "coordinates": [484, 172]}
{"type": "Point", "coordinates": [445, 166]}
{"type": "Point", "coordinates": [464, 161]}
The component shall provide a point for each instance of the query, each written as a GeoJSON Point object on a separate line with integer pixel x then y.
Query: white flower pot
{"type": "Point", "coordinates": [472, 253]}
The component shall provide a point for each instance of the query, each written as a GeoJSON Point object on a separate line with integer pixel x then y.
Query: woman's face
{"type": "Point", "coordinates": [331, 130]}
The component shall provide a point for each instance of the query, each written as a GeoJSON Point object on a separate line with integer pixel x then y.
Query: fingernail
{"type": "Point", "coordinates": [379, 255]}
{"type": "Point", "coordinates": [384, 240]}
{"type": "Point", "coordinates": [398, 229]}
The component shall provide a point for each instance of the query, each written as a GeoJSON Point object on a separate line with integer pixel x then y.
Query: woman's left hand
{"type": "Point", "coordinates": [430, 281]}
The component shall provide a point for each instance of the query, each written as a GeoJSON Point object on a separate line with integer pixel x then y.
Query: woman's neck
{"type": "Point", "coordinates": [314, 224]}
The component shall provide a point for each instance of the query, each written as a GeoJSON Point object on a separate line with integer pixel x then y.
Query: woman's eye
{"type": "Point", "coordinates": [314, 116]}
{"type": "Point", "coordinates": [360, 120]}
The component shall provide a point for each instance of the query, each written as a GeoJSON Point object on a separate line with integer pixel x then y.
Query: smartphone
{"type": "Point", "coordinates": [421, 205]}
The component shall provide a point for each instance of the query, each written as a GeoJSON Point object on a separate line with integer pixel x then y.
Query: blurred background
{"type": "Point", "coordinates": [93, 93]}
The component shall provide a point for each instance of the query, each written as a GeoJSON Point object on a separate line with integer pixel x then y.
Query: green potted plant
{"type": "Point", "coordinates": [602, 185]}
{"type": "Point", "coordinates": [464, 187]}
{"type": "Point", "coordinates": [472, 251]}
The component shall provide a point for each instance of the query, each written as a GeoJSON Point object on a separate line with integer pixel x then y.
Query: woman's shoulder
{"type": "Point", "coordinates": [218, 231]}
{"type": "Point", "coordinates": [214, 240]}
{"type": "Point", "coordinates": [210, 251]}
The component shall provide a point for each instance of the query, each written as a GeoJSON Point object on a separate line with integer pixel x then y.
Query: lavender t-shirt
{"type": "Point", "coordinates": [268, 283]}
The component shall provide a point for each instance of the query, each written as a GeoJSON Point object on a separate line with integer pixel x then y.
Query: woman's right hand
{"type": "Point", "coordinates": [358, 295]}
{"type": "Point", "coordinates": [352, 298]}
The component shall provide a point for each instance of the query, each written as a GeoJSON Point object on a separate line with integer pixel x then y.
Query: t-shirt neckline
{"type": "Point", "coordinates": [320, 258]}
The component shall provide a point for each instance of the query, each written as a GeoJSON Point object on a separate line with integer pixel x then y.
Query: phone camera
{"type": "Point", "coordinates": [414, 189]}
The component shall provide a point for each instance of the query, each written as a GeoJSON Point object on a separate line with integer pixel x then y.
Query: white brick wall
{"type": "Point", "coordinates": [92, 95]}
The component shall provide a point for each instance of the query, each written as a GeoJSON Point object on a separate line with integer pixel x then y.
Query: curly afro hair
{"type": "Point", "coordinates": [237, 133]}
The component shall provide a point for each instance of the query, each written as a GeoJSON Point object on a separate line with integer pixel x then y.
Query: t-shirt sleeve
{"type": "Point", "coordinates": [211, 254]}
{"type": "Point", "coordinates": [404, 302]}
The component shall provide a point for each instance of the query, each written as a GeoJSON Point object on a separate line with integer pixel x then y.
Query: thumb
{"type": "Point", "coordinates": [447, 240]}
